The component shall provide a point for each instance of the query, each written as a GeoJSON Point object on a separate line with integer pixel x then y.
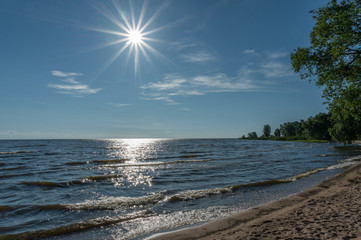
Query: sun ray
{"type": "Point", "coordinates": [132, 14]}
{"type": "Point", "coordinates": [105, 12]}
{"type": "Point", "coordinates": [141, 16]}
{"type": "Point", "coordinates": [112, 59]}
{"type": "Point", "coordinates": [145, 54]}
{"type": "Point", "coordinates": [155, 52]}
{"type": "Point", "coordinates": [155, 15]}
{"type": "Point", "coordinates": [122, 15]}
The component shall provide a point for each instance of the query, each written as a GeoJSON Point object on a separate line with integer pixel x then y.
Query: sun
{"type": "Point", "coordinates": [131, 33]}
{"type": "Point", "coordinates": [135, 37]}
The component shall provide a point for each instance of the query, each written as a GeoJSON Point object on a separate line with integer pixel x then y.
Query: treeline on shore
{"type": "Point", "coordinates": [315, 128]}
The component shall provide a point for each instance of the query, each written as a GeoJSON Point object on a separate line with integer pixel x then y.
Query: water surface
{"type": "Point", "coordinates": [132, 188]}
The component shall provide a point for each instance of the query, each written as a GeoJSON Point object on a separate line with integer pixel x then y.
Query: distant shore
{"type": "Point", "coordinates": [329, 210]}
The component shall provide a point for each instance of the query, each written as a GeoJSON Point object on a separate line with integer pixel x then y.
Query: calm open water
{"type": "Point", "coordinates": [133, 188]}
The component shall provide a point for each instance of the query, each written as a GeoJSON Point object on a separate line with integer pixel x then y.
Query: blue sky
{"type": "Point", "coordinates": [205, 68]}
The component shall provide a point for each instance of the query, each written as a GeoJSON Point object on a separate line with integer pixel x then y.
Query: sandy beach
{"type": "Point", "coordinates": [330, 210]}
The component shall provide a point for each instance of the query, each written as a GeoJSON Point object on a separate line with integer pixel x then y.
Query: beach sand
{"type": "Point", "coordinates": [330, 210]}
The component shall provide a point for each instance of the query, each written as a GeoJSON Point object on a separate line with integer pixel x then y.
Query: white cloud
{"type": "Point", "coordinates": [70, 80]}
{"type": "Point", "coordinates": [65, 74]}
{"type": "Point", "coordinates": [178, 46]}
{"type": "Point", "coordinates": [74, 87]}
{"type": "Point", "coordinates": [267, 75]}
{"type": "Point", "coordinates": [170, 81]}
{"type": "Point", "coordinates": [251, 52]}
{"type": "Point", "coordinates": [222, 83]}
{"type": "Point", "coordinates": [271, 66]}
{"type": "Point", "coordinates": [174, 85]}
{"type": "Point", "coordinates": [198, 57]}
{"type": "Point", "coordinates": [276, 55]}
{"type": "Point", "coordinates": [119, 105]}
{"type": "Point", "coordinates": [76, 90]}
{"type": "Point", "coordinates": [275, 69]}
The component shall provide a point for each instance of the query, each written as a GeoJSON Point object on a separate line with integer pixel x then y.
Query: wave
{"type": "Point", "coordinates": [105, 161]}
{"type": "Point", "coordinates": [42, 184]}
{"type": "Point", "coordinates": [113, 203]}
{"type": "Point", "coordinates": [5, 208]}
{"type": "Point", "coordinates": [193, 155]}
{"type": "Point", "coordinates": [110, 203]}
{"type": "Point", "coordinates": [15, 175]}
{"type": "Point", "coordinates": [76, 163]}
{"type": "Point", "coordinates": [74, 227]}
{"type": "Point", "coordinates": [193, 152]}
{"type": "Point", "coordinates": [103, 177]}
{"type": "Point", "coordinates": [150, 164]}
{"type": "Point", "coordinates": [17, 152]}
{"type": "Point", "coordinates": [14, 168]}
{"type": "Point", "coordinates": [110, 161]}
{"type": "Point", "coordinates": [51, 184]}
{"type": "Point", "coordinates": [197, 194]}
{"type": "Point", "coordinates": [327, 155]}
{"type": "Point", "coordinates": [36, 145]}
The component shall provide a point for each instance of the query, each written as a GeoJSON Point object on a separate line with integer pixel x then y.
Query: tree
{"type": "Point", "coordinates": [317, 127]}
{"type": "Point", "coordinates": [333, 62]}
{"type": "Point", "coordinates": [289, 129]}
{"type": "Point", "coordinates": [277, 132]}
{"type": "Point", "coordinates": [266, 130]}
{"type": "Point", "coordinates": [252, 135]}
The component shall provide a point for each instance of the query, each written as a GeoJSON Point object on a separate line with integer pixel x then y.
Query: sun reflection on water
{"type": "Point", "coordinates": [134, 152]}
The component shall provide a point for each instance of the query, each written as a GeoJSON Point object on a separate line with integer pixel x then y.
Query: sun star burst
{"type": "Point", "coordinates": [131, 34]}
{"type": "Point", "coordinates": [135, 37]}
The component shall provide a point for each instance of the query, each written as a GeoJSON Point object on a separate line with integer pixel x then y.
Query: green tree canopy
{"type": "Point", "coordinates": [317, 127]}
{"type": "Point", "coordinates": [252, 135]}
{"type": "Point", "coordinates": [267, 130]}
{"type": "Point", "coordinates": [333, 62]}
{"type": "Point", "coordinates": [290, 129]}
{"type": "Point", "coordinates": [277, 132]}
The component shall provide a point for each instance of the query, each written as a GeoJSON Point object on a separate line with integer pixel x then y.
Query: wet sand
{"type": "Point", "coordinates": [330, 210]}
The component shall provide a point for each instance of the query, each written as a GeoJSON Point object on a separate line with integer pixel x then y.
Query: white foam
{"type": "Point", "coordinates": [109, 203]}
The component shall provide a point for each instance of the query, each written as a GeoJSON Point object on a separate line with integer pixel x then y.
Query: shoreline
{"type": "Point", "coordinates": [328, 210]}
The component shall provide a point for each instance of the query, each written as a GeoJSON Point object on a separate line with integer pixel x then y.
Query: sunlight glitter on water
{"type": "Point", "coordinates": [132, 149]}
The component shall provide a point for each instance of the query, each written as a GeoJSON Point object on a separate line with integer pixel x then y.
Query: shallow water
{"type": "Point", "coordinates": [131, 188]}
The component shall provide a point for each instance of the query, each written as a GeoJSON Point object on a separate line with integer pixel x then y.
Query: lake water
{"type": "Point", "coordinates": [133, 188]}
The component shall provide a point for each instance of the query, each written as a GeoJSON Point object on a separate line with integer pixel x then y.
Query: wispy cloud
{"type": "Point", "coordinates": [267, 75]}
{"type": "Point", "coordinates": [179, 46]}
{"type": "Point", "coordinates": [70, 80]}
{"type": "Point", "coordinates": [276, 55]}
{"type": "Point", "coordinates": [169, 82]}
{"type": "Point", "coordinates": [275, 69]}
{"type": "Point", "coordinates": [191, 51]}
{"type": "Point", "coordinates": [120, 105]}
{"type": "Point", "coordinates": [251, 52]}
{"type": "Point", "coordinates": [198, 57]}
{"type": "Point", "coordinates": [65, 74]}
{"type": "Point", "coordinates": [73, 87]}
{"type": "Point", "coordinates": [271, 66]}
{"type": "Point", "coordinates": [220, 82]}
{"type": "Point", "coordinates": [174, 85]}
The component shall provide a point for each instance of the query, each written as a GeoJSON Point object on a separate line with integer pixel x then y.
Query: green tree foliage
{"type": "Point", "coordinates": [289, 129]}
{"type": "Point", "coordinates": [277, 132]}
{"type": "Point", "coordinates": [333, 62]}
{"type": "Point", "coordinates": [317, 127]}
{"type": "Point", "coordinates": [266, 130]}
{"type": "Point", "coordinates": [252, 135]}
